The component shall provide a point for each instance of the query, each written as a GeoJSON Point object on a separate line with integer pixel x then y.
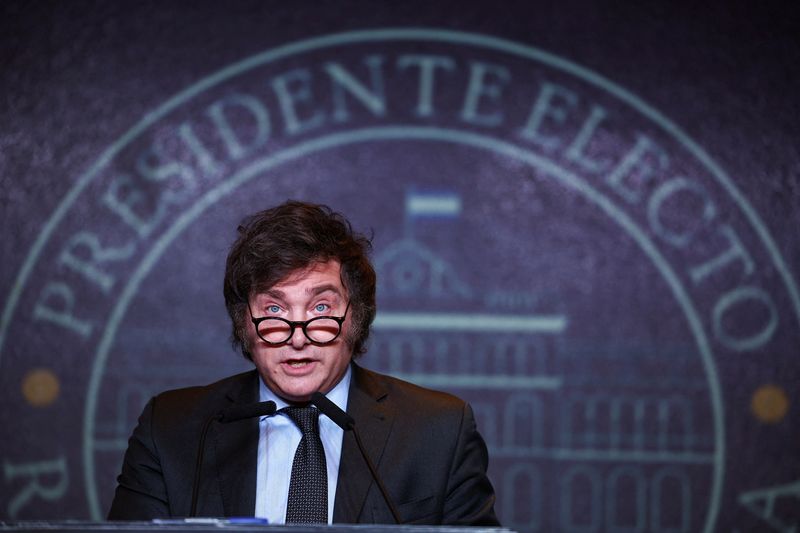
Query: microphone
{"type": "Point", "coordinates": [346, 422]}
{"type": "Point", "coordinates": [332, 411]}
{"type": "Point", "coordinates": [233, 413]}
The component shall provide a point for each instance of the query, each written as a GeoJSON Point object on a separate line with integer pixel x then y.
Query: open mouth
{"type": "Point", "coordinates": [298, 363]}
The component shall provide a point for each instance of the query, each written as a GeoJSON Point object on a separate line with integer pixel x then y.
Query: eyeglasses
{"type": "Point", "coordinates": [319, 330]}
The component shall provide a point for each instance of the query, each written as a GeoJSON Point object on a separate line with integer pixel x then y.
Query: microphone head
{"type": "Point", "coordinates": [250, 410]}
{"type": "Point", "coordinates": [332, 411]}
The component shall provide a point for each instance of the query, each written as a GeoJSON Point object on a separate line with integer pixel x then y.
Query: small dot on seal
{"type": "Point", "coordinates": [769, 404]}
{"type": "Point", "coordinates": [40, 387]}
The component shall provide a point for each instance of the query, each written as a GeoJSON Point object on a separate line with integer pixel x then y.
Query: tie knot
{"type": "Point", "coordinates": [306, 418]}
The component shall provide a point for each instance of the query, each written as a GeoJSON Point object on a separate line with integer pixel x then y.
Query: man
{"type": "Point", "coordinates": [300, 292]}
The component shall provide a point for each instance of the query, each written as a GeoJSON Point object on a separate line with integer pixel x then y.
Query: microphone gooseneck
{"type": "Point", "coordinates": [346, 422]}
{"type": "Point", "coordinates": [231, 414]}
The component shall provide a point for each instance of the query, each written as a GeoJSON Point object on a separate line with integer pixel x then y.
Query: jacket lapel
{"type": "Point", "coordinates": [373, 416]}
{"type": "Point", "coordinates": [236, 453]}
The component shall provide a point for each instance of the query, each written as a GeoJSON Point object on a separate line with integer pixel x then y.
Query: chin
{"type": "Point", "coordinates": [300, 397]}
{"type": "Point", "coordinates": [297, 395]}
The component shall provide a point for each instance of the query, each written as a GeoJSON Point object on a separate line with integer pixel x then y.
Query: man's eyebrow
{"type": "Point", "coordinates": [319, 289]}
{"type": "Point", "coordinates": [275, 293]}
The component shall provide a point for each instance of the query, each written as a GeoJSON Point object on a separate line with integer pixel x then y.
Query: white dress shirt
{"type": "Point", "coordinates": [278, 439]}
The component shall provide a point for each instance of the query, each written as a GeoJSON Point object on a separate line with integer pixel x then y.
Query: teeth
{"type": "Point", "coordinates": [295, 364]}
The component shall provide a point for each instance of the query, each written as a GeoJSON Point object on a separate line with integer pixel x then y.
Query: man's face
{"type": "Point", "coordinates": [297, 368]}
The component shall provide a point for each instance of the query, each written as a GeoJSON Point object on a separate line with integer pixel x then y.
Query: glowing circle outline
{"type": "Point", "coordinates": [394, 133]}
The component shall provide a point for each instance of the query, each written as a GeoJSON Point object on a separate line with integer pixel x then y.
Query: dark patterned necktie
{"type": "Point", "coordinates": [308, 486]}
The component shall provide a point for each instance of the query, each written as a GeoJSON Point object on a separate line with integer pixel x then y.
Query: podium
{"type": "Point", "coordinates": [232, 525]}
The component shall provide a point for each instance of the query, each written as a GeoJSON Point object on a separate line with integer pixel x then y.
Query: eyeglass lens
{"type": "Point", "coordinates": [320, 330]}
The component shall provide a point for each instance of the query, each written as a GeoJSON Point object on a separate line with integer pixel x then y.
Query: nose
{"type": "Point", "coordinates": [298, 339]}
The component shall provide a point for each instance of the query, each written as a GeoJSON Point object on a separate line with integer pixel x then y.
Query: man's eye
{"type": "Point", "coordinates": [274, 309]}
{"type": "Point", "coordinates": [321, 308]}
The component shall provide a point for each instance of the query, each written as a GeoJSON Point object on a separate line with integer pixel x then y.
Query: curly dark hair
{"type": "Point", "coordinates": [293, 236]}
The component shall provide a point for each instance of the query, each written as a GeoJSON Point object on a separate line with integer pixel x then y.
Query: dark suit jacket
{"type": "Point", "coordinates": [424, 443]}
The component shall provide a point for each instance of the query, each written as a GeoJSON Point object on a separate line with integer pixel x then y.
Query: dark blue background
{"type": "Point", "coordinates": [77, 76]}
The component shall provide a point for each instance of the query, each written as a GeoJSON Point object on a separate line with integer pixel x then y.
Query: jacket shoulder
{"type": "Point", "coordinates": [202, 401]}
{"type": "Point", "coordinates": [413, 398]}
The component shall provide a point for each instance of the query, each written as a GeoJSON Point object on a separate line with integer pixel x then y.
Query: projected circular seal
{"type": "Point", "coordinates": [515, 190]}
